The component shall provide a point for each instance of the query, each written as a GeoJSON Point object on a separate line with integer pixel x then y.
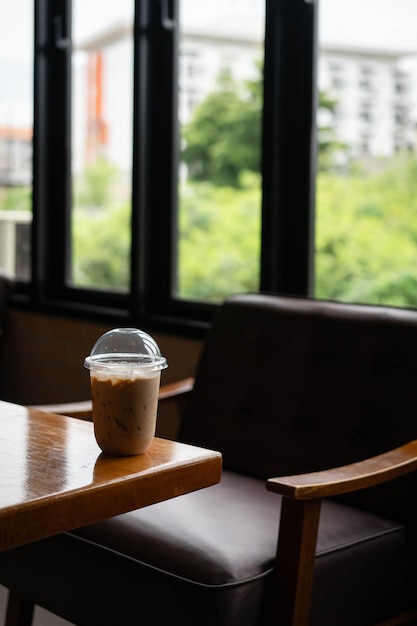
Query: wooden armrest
{"type": "Point", "coordinates": [83, 410]}
{"type": "Point", "coordinates": [339, 480]}
{"type": "Point", "coordinates": [176, 390]}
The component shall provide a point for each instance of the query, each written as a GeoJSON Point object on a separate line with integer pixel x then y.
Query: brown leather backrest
{"type": "Point", "coordinates": [289, 385]}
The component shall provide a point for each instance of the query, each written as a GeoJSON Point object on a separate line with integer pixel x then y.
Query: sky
{"type": "Point", "coordinates": [363, 22]}
{"type": "Point", "coordinates": [385, 23]}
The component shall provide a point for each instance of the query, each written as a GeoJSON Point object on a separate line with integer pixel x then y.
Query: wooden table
{"type": "Point", "coordinates": [54, 478]}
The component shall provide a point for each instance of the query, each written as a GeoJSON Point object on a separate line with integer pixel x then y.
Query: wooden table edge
{"type": "Point", "coordinates": [51, 515]}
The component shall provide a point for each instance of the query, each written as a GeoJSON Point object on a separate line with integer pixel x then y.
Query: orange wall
{"type": "Point", "coordinates": [42, 361]}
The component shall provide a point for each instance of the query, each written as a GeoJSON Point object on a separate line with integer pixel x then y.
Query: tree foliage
{"type": "Point", "coordinates": [329, 148]}
{"type": "Point", "coordinates": [366, 220]}
{"type": "Point", "coordinates": [366, 238]}
{"type": "Point", "coordinates": [219, 239]}
{"type": "Point", "coordinates": [366, 235]}
{"type": "Point", "coordinates": [100, 251]}
{"type": "Point", "coordinates": [93, 187]}
{"type": "Point", "coordinates": [223, 137]}
{"type": "Point", "coordinates": [16, 199]}
{"type": "Point", "coordinates": [100, 229]}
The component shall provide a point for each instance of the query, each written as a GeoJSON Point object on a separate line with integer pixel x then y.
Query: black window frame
{"type": "Point", "coordinates": [288, 167]}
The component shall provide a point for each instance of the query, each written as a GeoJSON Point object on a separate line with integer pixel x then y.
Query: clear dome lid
{"type": "Point", "coordinates": [125, 348]}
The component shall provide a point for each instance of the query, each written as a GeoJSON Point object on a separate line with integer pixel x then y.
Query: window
{"type": "Point", "coordinates": [132, 220]}
{"type": "Point", "coordinates": [219, 200]}
{"type": "Point", "coordinates": [102, 144]}
{"type": "Point", "coordinates": [16, 130]}
{"type": "Point", "coordinates": [337, 82]}
{"type": "Point", "coordinates": [366, 184]}
{"type": "Point", "coordinates": [124, 223]}
{"type": "Point", "coordinates": [400, 115]}
{"type": "Point", "coordinates": [400, 82]}
{"type": "Point", "coordinates": [366, 78]}
{"type": "Point", "coordinates": [365, 144]}
{"type": "Point", "coordinates": [365, 112]}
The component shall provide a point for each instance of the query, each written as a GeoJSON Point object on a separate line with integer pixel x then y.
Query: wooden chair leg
{"type": "Point", "coordinates": [19, 611]}
{"type": "Point", "coordinates": [295, 560]}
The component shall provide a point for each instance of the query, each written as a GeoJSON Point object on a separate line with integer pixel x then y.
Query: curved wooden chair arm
{"type": "Point", "coordinates": [175, 391]}
{"type": "Point", "coordinates": [83, 410]}
{"type": "Point", "coordinates": [299, 522]}
{"type": "Point", "coordinates": [336, 481]}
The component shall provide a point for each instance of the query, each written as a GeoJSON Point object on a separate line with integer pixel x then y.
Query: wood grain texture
{"type": "Point", "coordinates": [339, 480]}
{"type": "Point", "coordinates": [295, 560]}
{"type": "Point", "coordinates": [54, 477]}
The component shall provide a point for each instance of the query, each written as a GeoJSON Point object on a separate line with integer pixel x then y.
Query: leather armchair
{"type": "Point", "coordinates": [313, 406]}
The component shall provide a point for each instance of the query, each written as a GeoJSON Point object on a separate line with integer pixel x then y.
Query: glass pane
{"type": "Point", "coordinates": [16, 129]}
{"type": "Point", "coordinates": [102, 103]}
{"type": "Point", "coordinates": [366, 204]}
{"type": "Point", "coordinates": [220, 101]}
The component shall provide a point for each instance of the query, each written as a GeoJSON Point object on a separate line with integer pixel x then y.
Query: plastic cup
{"type": "Point", "coordinates": [125, 371]}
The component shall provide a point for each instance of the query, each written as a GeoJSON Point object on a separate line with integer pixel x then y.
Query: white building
{"type": "Point", "coordinates": [373, 113]}
{"type": "Point", "coordinates": [205, 51]}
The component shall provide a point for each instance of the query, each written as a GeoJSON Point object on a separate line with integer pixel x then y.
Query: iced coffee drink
{"type": "Point", "coordinates": [124, 412]}
{"type": "Point", "coordinates": [125, 371]}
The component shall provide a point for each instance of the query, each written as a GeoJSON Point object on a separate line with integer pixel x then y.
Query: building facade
{"type": "Point", "coordinates": [372, 93]}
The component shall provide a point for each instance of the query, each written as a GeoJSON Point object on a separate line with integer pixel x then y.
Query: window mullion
{"type": "Point", "coordinates": [52, 141]}
{"type": "Point", "coordinates": [157, 159]}
{"type": "Point", "coordinates": [288, 146]}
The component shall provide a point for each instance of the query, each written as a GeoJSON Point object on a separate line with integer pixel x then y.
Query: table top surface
{"type": "Point", "coordinates": [54, 478]}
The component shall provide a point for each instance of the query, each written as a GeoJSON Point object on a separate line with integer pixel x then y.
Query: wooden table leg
{"type": "Point", "coordinates": [19, 611]}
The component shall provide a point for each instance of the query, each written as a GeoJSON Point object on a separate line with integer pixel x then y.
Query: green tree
{"type": "Point", "coordinates": [327, 144]}
{"type": "Point", "coordinates": [101, 247]}
{"type": "Point", "coordinates": [366, 235]}
{"type": "Point", "coordinates": [223, 137]}
{"type": "Point", "coordinates": [93, 187]}
{"type": "Point", "coordinates": [16, 199]}
{"type": "Point", "coordinates": [219, 239]}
